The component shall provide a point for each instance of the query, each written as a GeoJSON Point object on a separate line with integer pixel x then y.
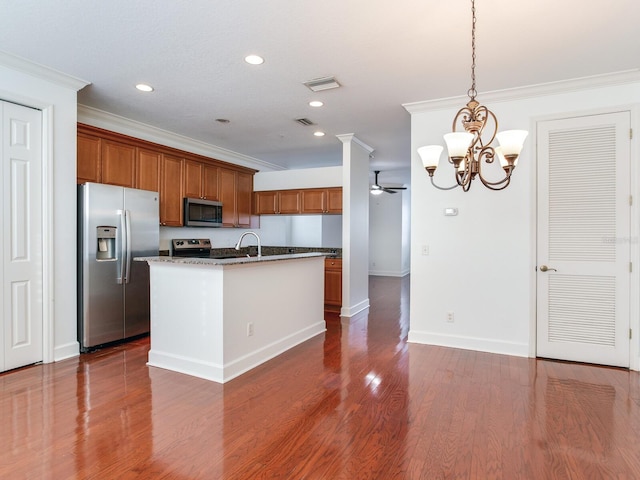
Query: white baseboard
{"type": "Point", "coordinates": [354, 309]}
{"type": "Point", "coordinates": [470, 343]}
{"type": "Point", "coordinates": [389, 273]}
{"type": "Point", "coordinates": [69, 350]}
{"type": "Point", "coordinates": [223, 373]}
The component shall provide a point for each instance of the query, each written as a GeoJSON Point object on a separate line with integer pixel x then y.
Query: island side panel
{"type": "Point", "coordinates": [283, 300]}
{"type": "Point", "coordinates": [186, 319]}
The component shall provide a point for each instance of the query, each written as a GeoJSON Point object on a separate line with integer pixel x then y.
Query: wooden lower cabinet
{"type": "Point", "coordinates": [332, 283]}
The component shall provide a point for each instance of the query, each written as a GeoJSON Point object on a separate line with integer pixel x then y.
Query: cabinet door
{"type": "Point", "coordinates": [228, 197]}
{"type": "Point", "coordinates": [192, 179]}
{"type": "Point", "coordinates": [334, 200]}
{"type": "Point", "coordinates": [266, 203]}
{"type": "Point", "coordinates": [118, 163]}
{"type": "Point", "coordinates": [88, 158]}
{"type": "Point", "coordinates": [171, 191]}
{"type": "Point", "coordinates": [244, 191]}
{"type": "Point", "coordinates": [333, 281]}
{"type": "Point", "coordinates": [148, 170]}
{"type": "Point", "coordinates": [289, 202]}
{"type": "Point", "coordinates": [314, 200]}
{"type": "Point", "coordinates": [210, 188]}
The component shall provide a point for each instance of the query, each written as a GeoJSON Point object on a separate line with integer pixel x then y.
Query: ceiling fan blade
{"type": "Point", "coordinates": [396, 188]}
{"type": "Point", "coordinates": [387, 190]}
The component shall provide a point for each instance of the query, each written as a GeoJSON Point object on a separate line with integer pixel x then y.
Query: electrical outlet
{"type": "Point", "coordinates": [450, 317]}
{"type": "Point", "coordinates": [249, 329]}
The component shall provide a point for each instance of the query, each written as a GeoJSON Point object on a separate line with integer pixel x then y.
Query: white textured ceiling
{"type": "Point", "coordinates": [384, 53]}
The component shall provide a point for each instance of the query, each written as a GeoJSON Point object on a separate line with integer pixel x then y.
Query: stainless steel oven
{"type": "Point", "coordinates": [191, 247]}
{"type": "Point", "coordinates": [202, 213]}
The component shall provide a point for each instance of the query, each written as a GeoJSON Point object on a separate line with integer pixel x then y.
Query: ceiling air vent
{"type": "Point", "coordinates": [304, 121]}
{"type": "Point", "coordinates": [324, 83]}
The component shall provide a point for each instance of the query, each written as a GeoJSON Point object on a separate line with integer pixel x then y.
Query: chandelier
{"type": "Point", "coordinates": [470, 149]}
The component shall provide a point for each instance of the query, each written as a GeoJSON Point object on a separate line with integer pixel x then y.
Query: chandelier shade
{"type": "Point", "coordinates": [470, 149]}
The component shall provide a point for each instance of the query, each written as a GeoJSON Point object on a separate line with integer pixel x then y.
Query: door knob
{"type": "Point", "coordinates": [544, 268]}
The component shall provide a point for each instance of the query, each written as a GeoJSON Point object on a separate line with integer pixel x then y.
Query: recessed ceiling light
{"type": "Point", "coordinates": [319, 134]}
{"type": "Point", "coordinates": [254, 59]}
{"type": "Point", "coordinates": [143, 87]}
{"type": "Point", "coordinates": [316, 103]}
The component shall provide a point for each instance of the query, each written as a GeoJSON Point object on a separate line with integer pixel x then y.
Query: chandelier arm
{"type": "Point", "coordinates": [501, 185]}
{"type": "Point", "coordinates": [443, 188]}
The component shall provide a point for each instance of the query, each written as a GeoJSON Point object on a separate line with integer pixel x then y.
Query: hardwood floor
{"type": "Point", "coordinates": [355, 403]}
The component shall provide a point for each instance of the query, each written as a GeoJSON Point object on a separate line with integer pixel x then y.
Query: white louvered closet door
{"type": "Point", "coordinates": [583, 239]}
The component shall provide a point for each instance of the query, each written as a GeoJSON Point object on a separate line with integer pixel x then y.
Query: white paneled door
{"type": "Point", "coordinates": [583, 258]}
{"type": "Point", "coordinates": [21, 240]}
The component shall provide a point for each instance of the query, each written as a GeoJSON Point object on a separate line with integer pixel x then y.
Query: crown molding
{"type": "Point", "coordinates": [109, 121]}
{"type": "Point", "coordinates": [40, 71]}
{"type": "Point", "coordinates": [530, 91]}
{"type": "Point", "coordinates": [351, 137]}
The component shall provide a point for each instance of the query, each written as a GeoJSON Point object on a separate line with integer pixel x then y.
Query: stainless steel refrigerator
{"type": "Point", "coordinates": [115, 224]}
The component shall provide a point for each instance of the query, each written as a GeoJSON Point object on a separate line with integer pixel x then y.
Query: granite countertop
{"type": "Point", "coordinates": [230, 261]}
{"type": "Point", "coordinates": [252, 250]}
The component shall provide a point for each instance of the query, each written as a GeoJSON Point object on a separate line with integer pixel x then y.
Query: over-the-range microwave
{"type": "Point", "coordinates": [202, 213]}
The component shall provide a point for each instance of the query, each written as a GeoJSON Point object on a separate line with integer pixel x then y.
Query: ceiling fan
{"type": "Point", "coordinates": [377, 189]}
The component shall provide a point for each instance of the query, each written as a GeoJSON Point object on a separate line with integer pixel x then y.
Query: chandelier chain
{"type": "Point", "coordinates": [472, 91]}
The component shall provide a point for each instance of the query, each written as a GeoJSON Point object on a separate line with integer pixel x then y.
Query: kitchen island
{"type": "Point", "coordinates": [218, 318]}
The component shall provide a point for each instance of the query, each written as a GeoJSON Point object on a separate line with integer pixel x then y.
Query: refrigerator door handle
{"type": "Point", "coordinates": [122, 249]}
{"type": "Point", "coordinates": [127, 271]}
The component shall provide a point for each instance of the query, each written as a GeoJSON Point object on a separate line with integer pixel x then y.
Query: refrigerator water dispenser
{"type": "Point", "coordinates": [106, 249]}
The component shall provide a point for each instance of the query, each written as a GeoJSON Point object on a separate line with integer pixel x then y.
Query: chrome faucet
{"type": "Point", "coordinates": [237, 247]}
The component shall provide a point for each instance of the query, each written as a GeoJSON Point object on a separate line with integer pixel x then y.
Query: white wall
{"type": "Point", "coordinates": [388, 234]}
{"type": "Point", "coordinates": [299, 178]}
{"type": "Point", "coordinates": [331, 231]}
{"type": "Point", "coordinates": [481, 263]}
{"type": "Point", "coordinates": [56, 95]}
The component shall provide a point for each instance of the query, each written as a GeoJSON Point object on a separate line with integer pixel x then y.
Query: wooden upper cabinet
{"type": "Point", "coordinates": [289, 202]}
{"type": "Point", "coordinates": [110, 157]}
{"type": "Point", "coordinates": [148, 170]}
{"type": "Point", "coordinates": [334, 200]}
{"type": "Point", "coordinates": [236, 189]}
{"type": "Point", "coordinates": [171, 191]}
{"type": "Point", "coordinates": [314, 200]}
{"type": "Point", "coordinates": [244, 191]}
{"type": "Point", "coordinates": [210, 186]}
{"type": "Point", "coordinates": [272, 202]}
{"type": "Point", "coordinates": [200, 180]}
{"type": "Point", "coordinates": [228, 197]}
{"type": "Point", "coordinates": [266, 203]}
{"type": "Point", "coordinates": [305, 201]}
{"type": "Point", "coordinates": [88, 158]}
{"type": "Point", "coordinates": [118, 163]}
{"type": "Point", "coordinates": [192, 179]}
